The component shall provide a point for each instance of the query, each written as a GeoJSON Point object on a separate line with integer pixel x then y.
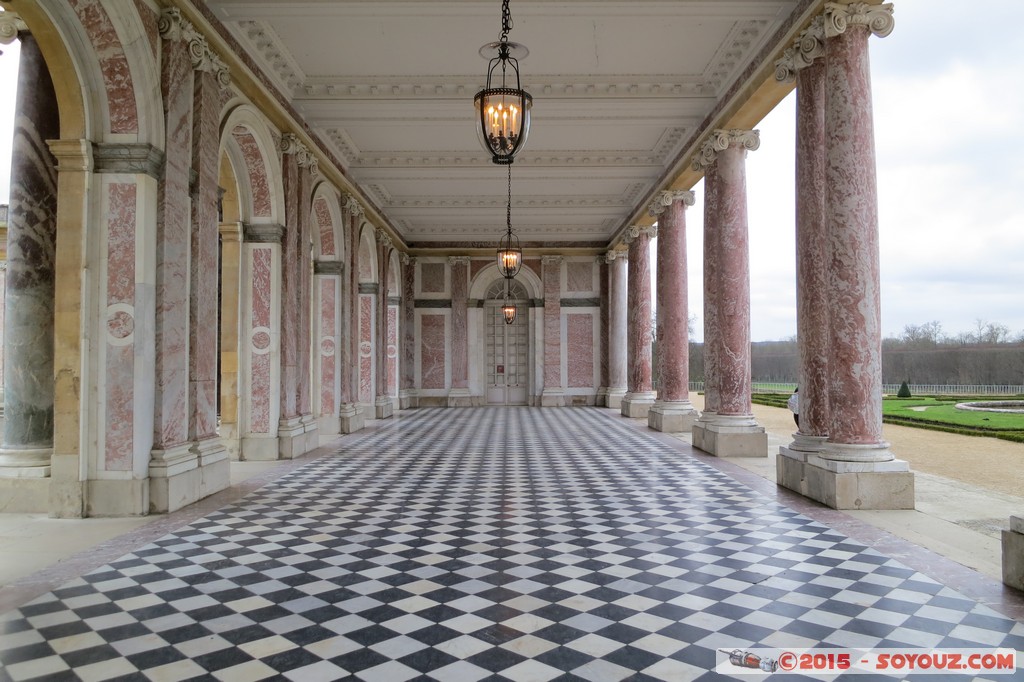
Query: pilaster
{"type": "Point", "coordinates": [459, 395]}
{"type": "Point", "coordinates": [617, 327]}
{"type": "Point", "coordinates": [553, 394]}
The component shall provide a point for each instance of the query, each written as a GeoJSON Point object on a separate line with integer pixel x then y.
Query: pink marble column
{"type": "Point", "coordinates": [382, 400]}
{"type": "Point", "coordinates": [459, 394]}
{"type": "Point", "coordinates": [734, 277]}
{"type": "Point", "coordinates": [706, 161]}
{"type": "Point", "coordinates": [553, 394]}
{"type": "Point", "coordinates": [603, 322]}
{"type": "Point", "coordinates": [851, 213]}
{"type": "Point", "coordinates": [640, 391]}
{"type": "Point", "coordinates": [617, 327]}
{"type": "Point", "coordinates": [308, 170]}
{"type": "Point", "coordinates": [171, 424]}
{"type": "Point", "coordinates": [203, 265]}
{"type": "Point", "coordinates": [351, 416]}
{"type": "Point", "coordinates": [29, 296]}
{"type": "Point", "coordinates": [407, 354]}
{"type": "Point", "coordinates": [805, 63]}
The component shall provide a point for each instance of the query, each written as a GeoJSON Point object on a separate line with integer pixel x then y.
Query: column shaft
{"type": "Point", "coordinates": [383, 404]}
{"type": "Point", "coordinates": [459, 394]}
{"type": "Point", "coordinates": [640, 394]}
{"type": "Point", "coordinates": [407, 353]}
{"type": "Point", "coordinates": [711, 321]}
{"type": "Point", "coordinates": [673, 312]}
{"type": "Point", "coordinates": [553, 394]}
{"type": "Point", "coordinates": [617, 327]}
{"type": "Point", "coordinates": [31, 252]}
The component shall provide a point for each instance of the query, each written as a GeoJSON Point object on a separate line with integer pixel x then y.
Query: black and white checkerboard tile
{"type": "Point", "coordinates": [486, 544]}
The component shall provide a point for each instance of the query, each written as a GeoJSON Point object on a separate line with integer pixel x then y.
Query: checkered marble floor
{"type": "Point", "coordinates": [487, 544]}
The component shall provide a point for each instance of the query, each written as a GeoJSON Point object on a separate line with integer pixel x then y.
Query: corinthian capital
{"type": "Point", "coordinates": [173, 27]}
{"type": "Point", "coordinates": [878, 18]}
{"type": "Point", "coordinates": [664, 199]}
{"type": "Point", "coordinates": [384, 238]}
{"type": "Point", "coordinates": [806, 48]}
{"type": "Point", "coordinates": [352, 205]}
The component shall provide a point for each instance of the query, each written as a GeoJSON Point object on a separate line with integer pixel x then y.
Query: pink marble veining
{"type": "Point", "coordinates": [407, 365]}
{"type": "Point", "coordinates": [534, 265]}
{"type": "Point", "coordinates": [256, 169]}
{"type": "Point", "coordinates": [326, 225]}
{"type": "Point", "coordinates": [673, 311]}
{"type": "Point", "coordinates": [350, 361]}
{"type": "Point", "coordinates": [432, 278]}
{"type": "Point", "coordinates": [851, 206]}
{"type": "Point", "coordinates": [617, 323]}
{"type": "Point", "coordinates": [638, 337]}
{"type": "Point", "coordinates": [172, 249]}
{"type": "Point", "coordinates": [262, 263]}
{"type": "Point", "coordinates": [204, 263]}
{"type": "Point", "coordinates": [579, 277]}
{"type": "Point", "coordinates": [460, 324]}
{"type": "Point", "coordinates": [117, 76]}
{"type": "Point", "coordinates": [328, 334]}
{"type": "Point", "coordinates": [552, 322]}
{"type": "Point", "coordinates": [304, 281]}
{"type": "Point", "coordinates": [366, 348]}
{"type": "Point", "coordinates": [432, 355]}
{"type": "Point", "coordinates": [392, 351]}
{"type": "Point", "coordinates": [711, 287]}
{"type": "Point", "coordinates": [383, 327]}
{"type": "Point", "coordinates": [734, 284]}
{"type": "Point", "coordinates": [120, 358]}
{"type": "Point", "coordinates": [812, 250]}
{"type": "Point", "coordinates": [476, 265]}
{"type": "Point", "coordinates": [366, 273]}
{"type": "Point", "coordinates": [579, 332]}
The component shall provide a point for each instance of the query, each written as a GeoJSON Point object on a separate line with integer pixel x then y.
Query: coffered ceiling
{"type": "Point", "coordinates": [621, 91]}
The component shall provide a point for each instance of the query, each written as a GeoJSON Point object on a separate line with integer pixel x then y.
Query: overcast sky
{"type": "Point", "coordinates": [948, 107]}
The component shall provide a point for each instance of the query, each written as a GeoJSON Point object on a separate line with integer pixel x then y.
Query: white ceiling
{"type": "Point", "coordinates": [620, 88]}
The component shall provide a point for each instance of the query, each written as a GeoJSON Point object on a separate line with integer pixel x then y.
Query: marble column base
{"type": "Point", "coordinates": [311, 426]}
{"type": "Point", "coordinates": [672, 417]}
{"type": "Point", "coordinates": [259, 449]}
{"type": "Point", "coordinates": [134, 496]}
{"type": "Point", "coordinates": [25, 462]}
{"type": "Point", "coordinates": [552, 397]}
{"type": "Point", "coordinates": [1013, 553]}
{"type": "Point", "coordinates": [172, 476]}
{"type": "Point", "coordinates": [636, 405]}
{"type": "Point", "coordinates": [460, 397]}
{"type": "Point", "coordinates": [846, 485]}
{"type": "Point", "coordinates": [804, 443]}
{"type": "Point", "coordinates": [351, 418]}
{"type": "Point", "coordinates": [291, 438]}
{"type": "Point", "coordinates": [383, 407]}
{"type": "Point", "coordinates": [328, 425]}
{"type": "Point", "coordinates": [613, 400]}
{"type": "Point", "coordinates": [25, 495]}
{"type": "Point", "coordinates": [407, 399]}
{"type": "Point", "coordinates": [731, 436]}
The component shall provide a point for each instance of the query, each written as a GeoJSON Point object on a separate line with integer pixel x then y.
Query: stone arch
{"type": "Point", "coordinates": [489, 274]}
{"type": "Point", "coordinates": [366, 258]}
{"type": "Point", "coordinates": [394, 278]}
{"type": "Point", "coordinates": [249, 145]}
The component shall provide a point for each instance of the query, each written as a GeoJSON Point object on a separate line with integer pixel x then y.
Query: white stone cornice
{"type": "Point", "coordinates": [458, 260]}
{"type": "Point", "coordinates": [666, 198]}
{"type": "Point", "coordinates": [808, 47]}
{"type": "Point", "coordinates": [10, 25]}
{"type": "Point", "coordinates": [838, 16]}
{"type": "Point", "coordinates": [173, 26]}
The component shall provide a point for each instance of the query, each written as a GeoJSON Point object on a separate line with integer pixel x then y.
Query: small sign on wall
{"type": "Point", "coordinates": [501, 369]}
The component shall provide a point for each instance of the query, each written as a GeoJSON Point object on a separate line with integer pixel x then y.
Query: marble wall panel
{"type": "Point", "coordinates": [120, 355]}
{"type": "Point", "coordinates": [150, 22]}
{"type": "Point", "coordinates": [579, 277]}
{"type": "Point", "coordinates": [117, 77]}
{"type": "Point", "coordinates": [579, 331]}
{"type": "Point", "coordinates": [392, 351]}
{"type": "Point", "coordinates": [328, 334]}
{"type": "Point", "coordinates": [366, 302]}
{"type": "Point", "coordinates": [260, 340]}
{"type": "Point", "coordinates": [432, 278]}
{"type": "Point", "coordinates": [432, 353]}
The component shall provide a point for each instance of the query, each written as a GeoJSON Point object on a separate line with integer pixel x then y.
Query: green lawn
{"type": "Point", "coordinates": [937, 413]}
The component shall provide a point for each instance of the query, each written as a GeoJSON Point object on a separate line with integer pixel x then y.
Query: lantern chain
{"type": "Point", "coordinates": [508, 213]}
{"type": "Point", "coordinates": [506, 21]}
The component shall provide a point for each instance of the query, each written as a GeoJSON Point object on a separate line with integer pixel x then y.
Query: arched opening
{"type": "Point", "coordinates": [506, 346]}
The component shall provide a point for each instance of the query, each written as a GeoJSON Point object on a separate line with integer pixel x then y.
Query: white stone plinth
{"type": "Point", "coordinates": [291, 438]}
{"type": "Point", "coordinates": [383, 407]}
{"type": "Point", "coordinates": [1013, 553]}
{"type": "Point", "coordinates": [637, 405]}
{"type": "Point", "coordinates": [460, 397]}
{"type": "Point", "coordinates": [407, 399]}
{"type": "Point", "coordinates": [259, 449]}
{"type": "Point", "coordinates": [729, 436]}
{"type": "Point", "coordinates": [614, 398]}
{"type": "Point", "coordinates": [672, 417]}
{"type": "Point", "coordinates": [352, 418]}
{"type": "Point", "coordinates": [552, 397]}
{"type": "Point", "coordinates": [849, 485]}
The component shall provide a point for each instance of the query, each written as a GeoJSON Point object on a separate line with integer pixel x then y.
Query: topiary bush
{"type": "Point", "coordinates": [904, 391]}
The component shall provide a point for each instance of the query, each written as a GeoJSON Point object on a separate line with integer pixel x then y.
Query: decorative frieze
{"type": "Point", "coordinates": [809, 46]}
{"type": "Point", "coordinates": [369, 288]}
{"type": "Point", "coordinates": [328, 267]}
{"type": "Point", "coordinates": [551, 260]}
{"type": "Point", "coordinates": [458, 260]}
{"type": "Point", "coordinates": [666, 198]}
{"type": "Point", "coordinates": [173, 26]}
{"type": "Point", "coordinates": [839, 16]}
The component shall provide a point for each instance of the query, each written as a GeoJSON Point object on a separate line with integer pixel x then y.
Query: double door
{"type": "Point", "coordinates": [506, 355]}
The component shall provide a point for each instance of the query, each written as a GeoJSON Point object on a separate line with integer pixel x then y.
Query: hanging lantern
{"type": "Point", "coordinates": [503, 111]}
{"type": "Point", "coordinates": [509, 311]}
{"type": "Point", "coordinates": [510, 254]}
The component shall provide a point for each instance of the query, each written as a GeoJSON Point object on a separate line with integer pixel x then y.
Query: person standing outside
{"type": "Point", "coordinates": [794, 404]}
